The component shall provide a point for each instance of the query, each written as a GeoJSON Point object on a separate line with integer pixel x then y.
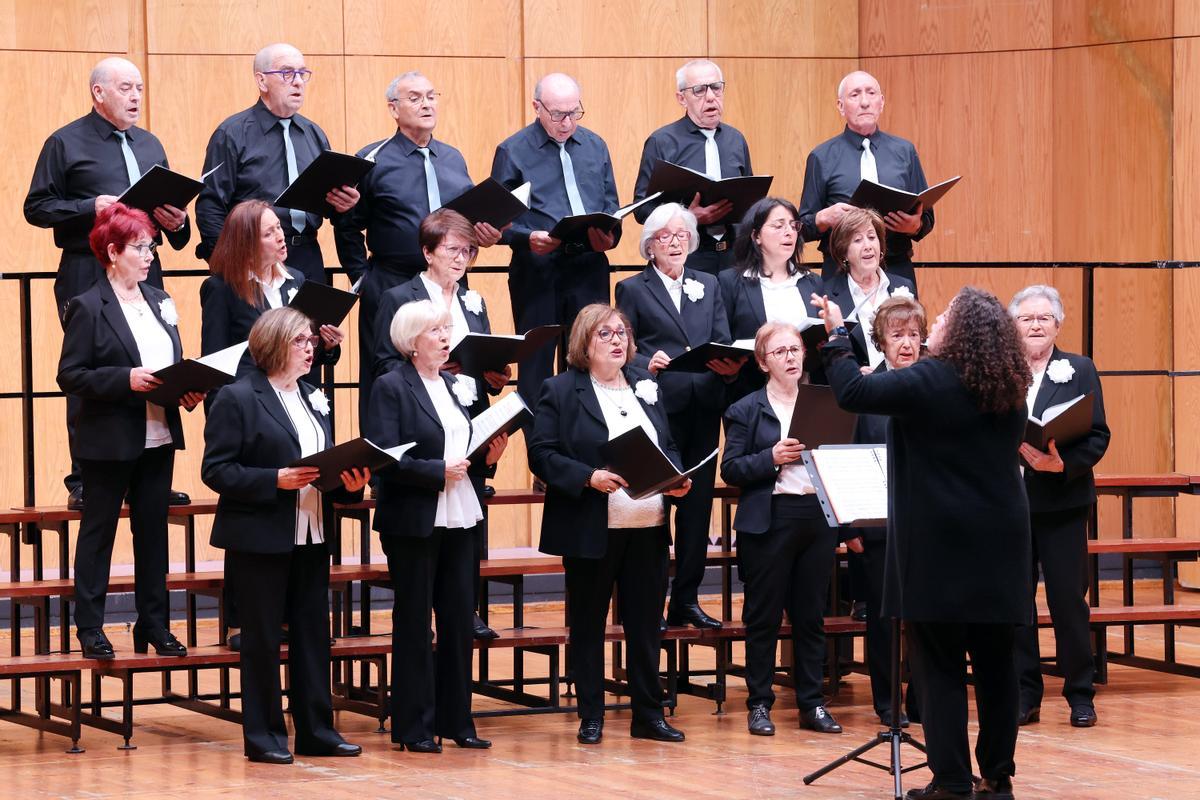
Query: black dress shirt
{"type": "Point", "coordinates": [531, 155]}
{"type": "Point", "coordinates": [78, 162]}
{"type": "Point", "coordinates": [253, 166]}
{"type": "Point", "coordinates": [682, 143]}
{"type": "Point", "coordinates": [834, 171]}
{"type": "Point", "coordinates": [393, 202]}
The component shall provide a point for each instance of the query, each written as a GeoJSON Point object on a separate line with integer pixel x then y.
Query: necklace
{"type": "Point", "coordinates": [136, 303]}
{"type": "Point", "coordinates": [607, 393]}
{"type": "Point", "coordinates": [783, 401]}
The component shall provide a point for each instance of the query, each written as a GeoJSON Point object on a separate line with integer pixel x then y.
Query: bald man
{"type": "Point", "coordinates": [259, 151]}
{"type": "Point", "coordinates": [83, 168]}
{"type": "Point", "coordinates": [549, 280]}
{"type": "Point", "coordinates": [835, 168]}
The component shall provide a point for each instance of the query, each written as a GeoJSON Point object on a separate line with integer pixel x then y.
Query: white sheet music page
{"type": "Point", "coordinates": [487, 423]}
{"type": "Point", "coordinates": [855, 480]}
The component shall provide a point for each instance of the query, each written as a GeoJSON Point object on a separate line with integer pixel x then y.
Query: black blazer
{"type": "Point", "coordinates": [958, 521]}
{"type": "Point", "coordinates": [401, 411]}
{"type": "Point", "coordinates": [658, 326]}
{"type": "Point", "coordinates": [98, 352]}
{"type": "Point", "coordinates": [872, 429]}
{"type": "Point", "coordinates": [248, 438]}
{"type": "Point", "coordinates": [1075, 486]}
{"type": "Point", "coordinates": [837, 288]}
{"type": "Point", "coordinates": [564, 449]}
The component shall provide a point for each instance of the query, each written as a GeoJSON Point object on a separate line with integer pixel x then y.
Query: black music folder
{"type": "Point", "coordinates": [328, 171]}
{"type": "Point", "coordinates": [696, 359]}
{"type": "Point", "coordinates": [818, 420]}
{"type": "Point", "coordinates": [483, 352]}
{"type": "Point", "coordinates": [886, 199]}
{"type": "Point", "coordinates": [574, 229]}
{"type": "Point", "coordinates": [643, 464]}
{"type": "Point", "coordinates": [851, 483]}
{"type": "Point", "coordinates": [488, 201]}
{"type": "Point", "coordinates": [680, 184]}
{"type": "Point", "coordinates": [504, 416]}
{"type": "Point", "coordinates": [196, 375]}
{"type": "Point", "coordinates": [1064, 423]}
{"type": "Point", "coordinates": [160, 186]}
{"type": "Point", "coordinates": [354, 454]}
{"type": "Point", "coordinates": [324, 305]}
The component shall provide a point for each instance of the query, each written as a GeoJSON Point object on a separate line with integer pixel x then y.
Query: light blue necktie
{"type": "Point", "coordinates": [299, 218]}
{"type": "Point", "coordinates": [569, 179]}
{"type": "Point", "coordinates": [131, 165]}
{"type": "Point", "coordinates": [431, 184]}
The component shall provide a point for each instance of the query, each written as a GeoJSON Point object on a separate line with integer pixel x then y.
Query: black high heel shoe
{"type": "Point", "coordinates": [473, 743]}
{"type": "Point", "coordinates": [95, 645]}
{"type": "Point", "coordinates": [165, 643]}
{"type": "Point", "coordinates": [423, 746]}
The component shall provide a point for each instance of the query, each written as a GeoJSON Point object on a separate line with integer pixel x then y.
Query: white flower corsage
{"type": "Point", "coordinates": [291, 295]}
{"type": "Point", "coordinates": [168, 312]}
{"type": "Point", "coordinates": [694, 290]}
{"type": "Point", "coordinates": [319, 402]}
{"type": "Point", "coordinates": [902, 291]}
{"type": "Point", "coordinates": [464, 389]}
{"type": "Point", "coordinates": [647, 390]}
{"type": "Point", "coordinates": [1060, 371]}
{"type": "Point", "coordinates": [473, 301]}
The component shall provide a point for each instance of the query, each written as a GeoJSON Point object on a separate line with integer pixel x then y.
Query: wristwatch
{"type": "Point", "coordinates": [840, 330]}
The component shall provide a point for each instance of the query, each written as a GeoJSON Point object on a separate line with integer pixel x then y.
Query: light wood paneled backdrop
{"type": "Point", "coordinates": [1072, 120]}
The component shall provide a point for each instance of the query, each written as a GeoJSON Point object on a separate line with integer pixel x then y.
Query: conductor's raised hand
{"type": "Point", "coordinates": [786, 451]}
{"type": "Point", "coordinates": [658, 361]}
{"type": "Point", "coordinates": [604, 481]}
{"type": "Point", "coordinates": [828, 310]}
{"type": "Point", "coordinates": [296, 477]}
{"type": "Point", "coordinates": [355, 479]}
{"type": "Point", "coordinates": [141, 379]}
{"type": "Point", "coordinates": [681, 490]}
{"type": "Point", "coordinates": [1042, 461]}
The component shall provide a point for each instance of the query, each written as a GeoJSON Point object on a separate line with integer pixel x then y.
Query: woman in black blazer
{"type": "Point", "coordinates": [673, 309]}
{"type": "Point", "coordinates": [426, 512]}
{"type": "Point", "coordinates": [861, 284]}
{"type": "Point", "coordinates": [785, 548]}
{"type": "Point", "coordinates": [958, 526]}
{"type": "Point", "coordinates": [117, 334]}
{"type": "Point", "coordinates": [273, 526]}
{"type": "Point", "coordinates": [1061, 490]}
{"type": "Point", "coordinates": [603, 536]}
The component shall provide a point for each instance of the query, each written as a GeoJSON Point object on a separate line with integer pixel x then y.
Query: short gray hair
{"type": "Point", "coordinates": [1048, 293]}
{"type": "Point", "coordinates": [399, 79]}
{"type": "Point", "coordinates": [658, 220]}
{"type": "Point", "coordinates": [413, 319]}
{"type": "Point", "coordinates": [681, 73]}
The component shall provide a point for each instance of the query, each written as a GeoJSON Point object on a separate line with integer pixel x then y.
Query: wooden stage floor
{"type": "Point", "coordinates": [1144, 747]}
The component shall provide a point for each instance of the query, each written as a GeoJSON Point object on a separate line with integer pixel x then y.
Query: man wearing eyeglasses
{"type": "Point", "coordinates": [256, 153]}
{"type": "Point", "coordinates": [862, 150]}
{"type": "Point", "coordinates": [699, 141]}
{"type": "Point", "coordinates": [83, 168]}
{"type": "Point", "coordinates": [571, 173]}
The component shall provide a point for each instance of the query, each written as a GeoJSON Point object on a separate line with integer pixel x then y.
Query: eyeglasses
{"type": "Point", "coordinates": [1040, 319]}
{"type": "Point", "coordinates": [781, 224]}
{"type": "Point", "coordinates": [416, 100]}
{"type": "Point", "coordinates": [700, 89]}
{"type": "Point", "coordinates": [607, 334]}
{"type": "Point", "coordinates": [438, 330]}
{"type": "Point", "coordinates": [302, 341]}
{"type": "Point", "coordinates": [559, 116]}
{"type": "Point", "coordinates": [781, 353]}
{"type": "Point", "coordinates": [289, 75]}
{"type": "Point", "coordinates": [146, 249]}
{"type": "Point", "coordinates": [666, 237]}
{"type": "Point", "coordinates": [456, 253]}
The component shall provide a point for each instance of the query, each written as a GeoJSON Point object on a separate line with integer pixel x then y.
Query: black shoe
{"type": "Point", "coordinates": [858, 611]}
{"type": "Point", "coordinates": [482, 630]}
{"type": "Point", "coordinates": [489, 490]}
{"type": "Point", "coordinates": [178, 499]}
{"type": "Point", "coordinates": [691, 614]}
{"type": "Point", "coordinates": [473, 743]}
{"type": "Point", "coordinates": [885, 718]}
{"type": "Point", "coordinates": [165, 643]}
{"type": "Point", "coordinates": [339, 750]}
{"type": "Point", "coordinates": [662, 625]}
{"type": "Point", "coordinates": [234, 643]}
{"type": "Point", "coordinates": [819, 720]}
{"type": "Point", "coordinates": [1083, 716]}
{"type": "Point", "coordinates": [994, 789]}
{"type": "Point", "coordinates": [271, 757]}
{"type": "Point", "coordinates": [539, 486]}
{"type": "Point", "coordinates": [935, 792]}
{"type": "Point", "coordinates": [1028, 716]}
{"type": "Point", "coordinates": [656, 729]}
{"type": "Point", "coordinates": [95, 645]}
{"type": "Point", "coordinates": [75, 499]}
{"type": "Point", "coordinates": [759, 721]}
{"type": "Point", "coordinates": [591, 731]}
{"type": "Point", "coordinates": [423, 746]}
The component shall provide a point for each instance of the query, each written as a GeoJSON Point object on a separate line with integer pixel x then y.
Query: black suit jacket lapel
{"type": "Point", "coordinates": [587, 398]}
{"type": "Point", "coordinates": [771, 425]}
{"type": "Point", "coordinates": [752, 288]}
{"type": "Point", "coordinates": [111, 311]}
{"type": "Point", "coordinates": [696, 316]}
{"type": "Point", "coordinates": [1048, 392]}
{"type": "Point", "coordinates": [322, 418]}
{"type": "Point", "coordinates": [269, 400]}
{"type": "Point", "coordinates": [172, 330]}
{"type": "Point", "coordinates": [659, 292]}
{"type": "Point", "coordinates": [418, 391]}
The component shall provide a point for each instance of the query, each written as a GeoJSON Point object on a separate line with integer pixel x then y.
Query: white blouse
{"type": "Point", "coordinates": [309, 527]}
{"type": "Point", "coordinates": [271, 288]}
{"type": "Point", "coordinates": [1034, 387]}
{"type": "Point", "coordinates": [782, 302]}
{"type": "Point", "coordinates": [458, 505]}
{"type": "Point", "coordinates": [156, 351]}
{"type": "Point", "coordinates": [457, 316]}
{"type": "Point", "coordinates": [865, 307]}
{"type": "Point", "coordinates": [624, 511]}
{"type": "Point", "coordinates": [793, 478]}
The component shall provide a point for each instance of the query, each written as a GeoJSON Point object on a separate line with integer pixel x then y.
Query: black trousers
{"type": "Point", "coordinates": [307, 258]}
{"type": "Point", "coordinates": [272, 589]}
{"type": "Point", "coordinates": [878, 642]}
{"type": "Point", "coordinates": [1060, 546]}
{"type": "Point", "coordinates": [696, 432]}
{"type": "Point", "coordinates": [636, 562]}
{"type": "Point", "coordinates": [146, 482]}
{"type": "Point", "coordinates": [378, 279]}
{"type": "Point", "coordinates": [431, 692]}
{"type": "Point", "coordinates": [787, 567]}
{"type": "Point", "coordinates": [938, 651]}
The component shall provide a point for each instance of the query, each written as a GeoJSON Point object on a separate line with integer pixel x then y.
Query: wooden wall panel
{"type": "Point", "coordinates": [1185, 300]}
{"type": "Point", "coordinates": [1185, 200]}
{"type": "Point", "coordinates": [1187, 18]}
{"type": "Point", "coordinates": [640, 28]}
{"type": "Point", "coordinates": [1139, 411]}
{"type": "Point", "coordinates": [89, 25]}
{"type": "Point", "coordinates": [1002, 208]}
{"type": "Point", "coordinates": [231, 26]}
{"type": "Point", "coordinates": [1080, 22]}
{"type": "Point", "coordinates": [470, 28]}
{"type": "Point", "coordinates": [1123, 340]}
{"type": "Point", "coordinates": [782, 29]}
{"type": "Point", "coordinates": [906, 27]}
{"type": "Point", "coordinates": [1112, 140]}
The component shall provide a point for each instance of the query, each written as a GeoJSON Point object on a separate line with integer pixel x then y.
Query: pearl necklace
{"type": "Point", "coordinates": [608, 394]}
{"type": "Point", "coordinates": [137, 303]}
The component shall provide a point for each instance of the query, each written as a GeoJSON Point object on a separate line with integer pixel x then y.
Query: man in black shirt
{"type": "Point", "coordinates": [862, 150]}
{"type": "Point", "coordinates": [83, 168]}
{"type": "Point", "coordinates": [256, 153]}
{"type": "Point", "coordinates": [699, 141]}
{"type": "Point", "coordinates": [550, 280]}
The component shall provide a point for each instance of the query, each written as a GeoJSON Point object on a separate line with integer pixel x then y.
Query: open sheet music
{"type": "Point", "coordinates": [354, 454]}
{"type": "Point", "coordinates": [503, 416]}
{"type": "Point", "coordinates": [1064, 423]}
{"type": "Point", "coordinates": [196, 375]}
{"type": "Point", "coordinates": [644, 466]}
{"type": "Point", "coordinates": [851, 483]}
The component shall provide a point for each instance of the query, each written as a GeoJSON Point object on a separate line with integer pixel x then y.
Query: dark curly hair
{"type": "Point", "coordinates": [980, 342]}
